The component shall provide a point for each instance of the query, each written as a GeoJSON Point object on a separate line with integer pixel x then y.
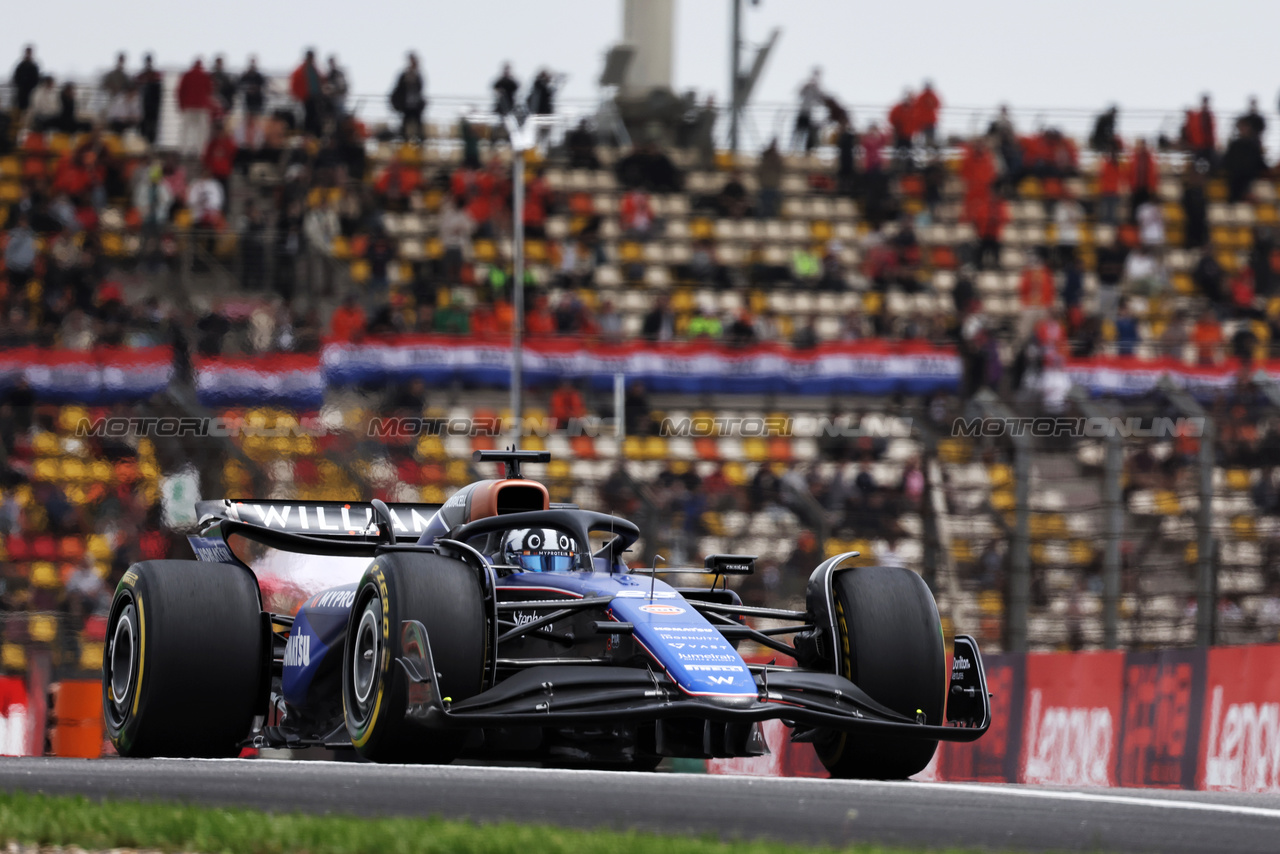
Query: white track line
{"type": "Point", "coordinates": [967, 788]}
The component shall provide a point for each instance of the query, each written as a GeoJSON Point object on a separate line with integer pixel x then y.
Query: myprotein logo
{"type": "Point", "coordinates": [1243, 753]}
{"type": "Point", "coordinates": [1069, 746]}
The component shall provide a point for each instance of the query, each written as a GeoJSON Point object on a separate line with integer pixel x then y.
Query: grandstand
{"type": "Point", "coordinates": [930, 251]}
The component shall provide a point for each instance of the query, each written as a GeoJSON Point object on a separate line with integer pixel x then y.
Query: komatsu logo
{"type": "Point", "coordinates": [297, 652]}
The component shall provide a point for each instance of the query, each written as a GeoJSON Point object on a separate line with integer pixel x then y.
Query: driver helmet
{"type": "Point", "coordinates": [539, 550]}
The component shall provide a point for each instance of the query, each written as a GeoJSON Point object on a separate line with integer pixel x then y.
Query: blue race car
{"type": "Point", "coordinates": [500, 625]}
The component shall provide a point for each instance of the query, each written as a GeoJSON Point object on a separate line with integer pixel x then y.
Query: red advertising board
{"type": "Point", "coordinates": [15, 737]}
{"type": "Point", "coordinates": [994, 757]}
{"type": "Point", "coordinates": [1163, 698]}
{"type": "Point", "coordinates": [1240, 736]}
{"type": "Point", "coordinates": [1071, 717]}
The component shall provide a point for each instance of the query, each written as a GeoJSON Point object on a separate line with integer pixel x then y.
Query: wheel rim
{"type": "Point", "coordinates": [364, 656]}
{"type": "Point", "coordinates": [123, 653]}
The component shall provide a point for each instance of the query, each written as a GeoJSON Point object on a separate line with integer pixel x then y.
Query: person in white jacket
{"type": "Point", "coordinates": [319, 228]}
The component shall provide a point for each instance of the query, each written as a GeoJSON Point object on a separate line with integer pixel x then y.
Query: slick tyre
{"type": "Point", "coordinates": [183, 668]}
{"type": "Point", "coordinates": [443, 594]}
{"type": "Point", "coordinates": [890, 645]}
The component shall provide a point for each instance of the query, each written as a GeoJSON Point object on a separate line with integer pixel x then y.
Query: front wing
{"type": "Point", "coordinates": [563, 695]}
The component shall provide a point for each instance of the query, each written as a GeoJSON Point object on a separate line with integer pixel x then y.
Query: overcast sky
{"type": "Point", "coordinates": [1141, 54]}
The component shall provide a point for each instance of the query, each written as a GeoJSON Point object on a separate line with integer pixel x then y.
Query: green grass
{"type": "Point", "coordinates": [44, 820]}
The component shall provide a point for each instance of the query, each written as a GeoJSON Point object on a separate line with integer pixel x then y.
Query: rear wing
{"type": "Point", "coordinates": [328, 519]}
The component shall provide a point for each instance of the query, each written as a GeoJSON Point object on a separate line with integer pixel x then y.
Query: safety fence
{"type": "Point", "coordinates": [1173, 719]}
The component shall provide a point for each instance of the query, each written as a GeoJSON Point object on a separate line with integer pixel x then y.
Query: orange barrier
{"type": "Point", "coordinates": [77, 719]}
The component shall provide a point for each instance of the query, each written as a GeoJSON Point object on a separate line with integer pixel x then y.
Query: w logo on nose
{"type": "Point", "coordinates": [722, 680]}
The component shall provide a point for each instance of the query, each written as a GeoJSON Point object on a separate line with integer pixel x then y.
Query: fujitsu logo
{"type": "Point", "coordinates": [1068, 746]}
{"type": "Point", "coordinates": [1244, 746]}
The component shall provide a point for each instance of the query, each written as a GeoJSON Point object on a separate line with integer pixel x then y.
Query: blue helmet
{"type": "Point", "coordinates": [539, 550]}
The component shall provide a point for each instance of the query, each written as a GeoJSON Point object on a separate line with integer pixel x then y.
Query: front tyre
{"type": "Point", "coordinates": [889, 645]}
{"type": "Point", "coordinates": [183, 668]}
{"type": "Point", "coordinates": [446, 596]}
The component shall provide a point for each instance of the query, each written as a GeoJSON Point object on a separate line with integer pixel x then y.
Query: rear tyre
{"type": "Point", "coordinates": [889, 645]}
{"type": "Point", "coordinates": [183, 669]}
{"type": "Point", "coordinates": [444, 595]}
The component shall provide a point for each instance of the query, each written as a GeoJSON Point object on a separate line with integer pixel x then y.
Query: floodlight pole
{"type": "Point", "coordinates": [735, 79]}
{"type": "Point", "coordinates": [518, 145]}
{"type": "Point", "coordinates": [517, 295]}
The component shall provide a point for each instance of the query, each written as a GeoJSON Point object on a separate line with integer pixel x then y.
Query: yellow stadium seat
{"type": "Point", "coordinates": [13, 658]}
{"type": "Point", "coordinates": [1244, 528]}
{"type": "Point", "coordinates": [42, 628]}
{"type": "Point", "coordinates": [1000, 475]}
{"type": "Point", "coordinates": [1166, 503]}
{"type": "Point", "coordinates": [98, 547]}
{"type": "Point", "coordinates": [953, 451]}
{"type": "Point", "coordinates": [1080, 553]}
{"type": "Point", "coordinates": [755, 449]}
{"type": "Point", "coordinates": [655, 448]}
{"type": "Point", "coordinates": [91, 656]}
{"type": "Point", "coordinates": [431, 448]}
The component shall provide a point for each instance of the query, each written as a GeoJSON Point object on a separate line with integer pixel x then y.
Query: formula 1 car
{"type": "Point", "coordinates": [501, 625]}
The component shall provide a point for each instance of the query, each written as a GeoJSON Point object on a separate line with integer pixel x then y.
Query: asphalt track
{"type": "Point", "coordinates": [797, 810]}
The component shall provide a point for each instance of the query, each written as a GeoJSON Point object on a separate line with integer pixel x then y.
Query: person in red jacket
{"type": "Point", "coordinates": [1036, 290]}
{"type": "Point", "coordinates": [1144, 177]}
{"type": "Point", "coordinates": [220, 156]}
{"type": "Point", "coordinates": [348, 321]}
{"type": "Point", "coordinates": [566, 405]}
{"type": "Point", "coordinates": [988, 215]}
{"type": "Point", "coordinates": [195, 93]}
{"type": "Point", "coordinates": [1199, 134]}
{"type": "Point", "coordinates": [1110, 181]}
{"type": "Point", "coordinates": [978, 169]}
{"type": "Point", "coordinates": [1036, 286]}
{"type": "Point", "coordinates": [927, 105]}
{"type": "Point", "coordinates": [902, 118]}
{"type": "Point", "coordinates": [306, 84]}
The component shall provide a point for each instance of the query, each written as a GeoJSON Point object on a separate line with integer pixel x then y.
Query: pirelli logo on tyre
{"type": "Point", "coordinates": [130, 578]}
